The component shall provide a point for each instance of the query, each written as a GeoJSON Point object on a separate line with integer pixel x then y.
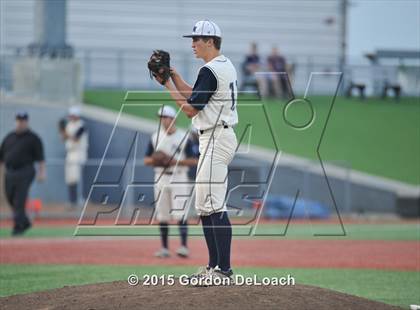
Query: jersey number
{"type": "Point", "coordinates": [232, 93]}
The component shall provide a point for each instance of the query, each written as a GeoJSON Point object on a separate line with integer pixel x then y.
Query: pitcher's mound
{"type": "Point", "coordinates": [119, 295]}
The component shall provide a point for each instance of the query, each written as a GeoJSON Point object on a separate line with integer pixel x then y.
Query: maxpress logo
{"type": "Point", "coordinates": [122, 201]}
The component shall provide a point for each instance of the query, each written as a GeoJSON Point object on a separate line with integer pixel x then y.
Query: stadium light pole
{"type": "Point", "coordinates": [343, 41]}
{"type": "Point", "coordinates": [49, 71]}
{"type": "Point", "coordinates": [50, 30]}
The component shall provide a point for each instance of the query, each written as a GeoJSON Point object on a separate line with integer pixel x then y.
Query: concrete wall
{"type": "Point", "coordinates": [248, 178]}
{"type": "Point", "coordinates": [48, 79]}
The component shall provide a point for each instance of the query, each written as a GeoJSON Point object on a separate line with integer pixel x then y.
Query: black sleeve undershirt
{"type": "Point", "coordinates": [150, 149]}
{"type": "Point", "coordinates": [79, 132]}
{"type": "Point", "coordinates": [203, 89]}
{"type": "Point", "coordinates": [38, 149]}
{"type": "Point", "coordinates": [189, 151]}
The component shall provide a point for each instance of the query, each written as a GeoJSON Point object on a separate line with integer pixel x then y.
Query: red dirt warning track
{"type": "Point", "coordinates": [393, 255]}
{"type": "Point", "coordinates": [61, 222]}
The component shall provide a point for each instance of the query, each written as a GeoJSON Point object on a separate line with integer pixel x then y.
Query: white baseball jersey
{"type": "Point", "coordinates": [220, 108]}
{"type": "Point", "coordinates": [77, 144]}
{"type": "Point", "coordinates": [77, 148]}
{"type": "Point", "coordinates": [172, 145]}
{"type": "Point", "coordinates": [214, 95]}
{"type": "Point", "coordinates": [172, 189]}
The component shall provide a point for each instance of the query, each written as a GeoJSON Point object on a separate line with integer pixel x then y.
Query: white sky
{"type": "Point", "coordinates": [379, 24]}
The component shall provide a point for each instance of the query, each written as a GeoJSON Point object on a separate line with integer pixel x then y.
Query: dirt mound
{"type": "Point", "coordinates": [119, 295]}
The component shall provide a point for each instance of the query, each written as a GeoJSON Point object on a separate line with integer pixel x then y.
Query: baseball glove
{"type": "Point", "coordinates": [159, 66]}
{"type": "Point", "coordinates": [161, 159]}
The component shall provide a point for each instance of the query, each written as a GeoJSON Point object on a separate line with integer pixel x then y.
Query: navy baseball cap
{"type": "Point", "coordinates": [22, 115]}
{"type": "Point", "coordinates": [205, 28]}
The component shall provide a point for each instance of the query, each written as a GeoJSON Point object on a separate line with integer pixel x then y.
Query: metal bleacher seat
{"type": "Point", "coordinates": [395, 87]}
{"type": "Point", "coordinates": [248, 80]}
{"type": "Point", "coordinates": [359, 86]}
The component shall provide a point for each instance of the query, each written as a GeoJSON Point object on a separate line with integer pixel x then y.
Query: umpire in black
{"type": "Point", "coordinates": [18, 151]}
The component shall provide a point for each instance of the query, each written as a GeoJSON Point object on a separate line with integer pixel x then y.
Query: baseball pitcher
{"type": "Point", "coordinates": [211, 103]}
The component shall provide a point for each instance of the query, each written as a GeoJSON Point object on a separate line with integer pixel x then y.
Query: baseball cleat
{"type": "Point", "coordinates": [212, 277]}
{"type": "Point", "coordinates": [183, 252]}
{"type": "Point", "coordinates": [19, 230]}
{"type": "Point", "coordinates": [163, 253]}
{"type": "Point", "coordinates": [220, 277]}
{"type": "Point", "coordinates": [202, 273]}
{"type": "Point", "coordinates": [201, 277]}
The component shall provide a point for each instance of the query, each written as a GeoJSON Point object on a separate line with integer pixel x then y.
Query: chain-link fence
{"type": "Point", "coordinates": [127, 69]}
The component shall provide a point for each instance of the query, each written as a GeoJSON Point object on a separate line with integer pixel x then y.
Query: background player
{"type": "Point", "coordinates": [211, 104]}
{"type": "Point", "coordinates": [171, 179]}
{"type": "Point", "coordinates": [19, 150]}
{"type": "Point", "coordinates": [75, 137]}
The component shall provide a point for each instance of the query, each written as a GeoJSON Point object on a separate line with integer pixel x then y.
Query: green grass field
{"type": "Point", "coordinates": [392, 287]}
{"type": "Point", "coordinates": [299, 232]}
{"type": "Point", "coordinates": [374, 136]}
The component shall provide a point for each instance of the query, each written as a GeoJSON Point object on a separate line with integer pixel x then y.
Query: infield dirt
{"type": "Point", "coordinates": [369, 254]}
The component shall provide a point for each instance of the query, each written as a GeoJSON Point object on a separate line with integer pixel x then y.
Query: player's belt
{"type": "Point", "coordinates": [172, 172]}
{"type": "Point", "coordinates": [205, 130]}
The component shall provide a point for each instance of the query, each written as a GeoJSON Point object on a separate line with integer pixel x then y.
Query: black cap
{"type": "Point", "coordinates": [22, 116]}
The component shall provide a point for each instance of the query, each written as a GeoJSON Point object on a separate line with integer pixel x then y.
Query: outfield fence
{"type": "Point", "coordinates": [127, 69]}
